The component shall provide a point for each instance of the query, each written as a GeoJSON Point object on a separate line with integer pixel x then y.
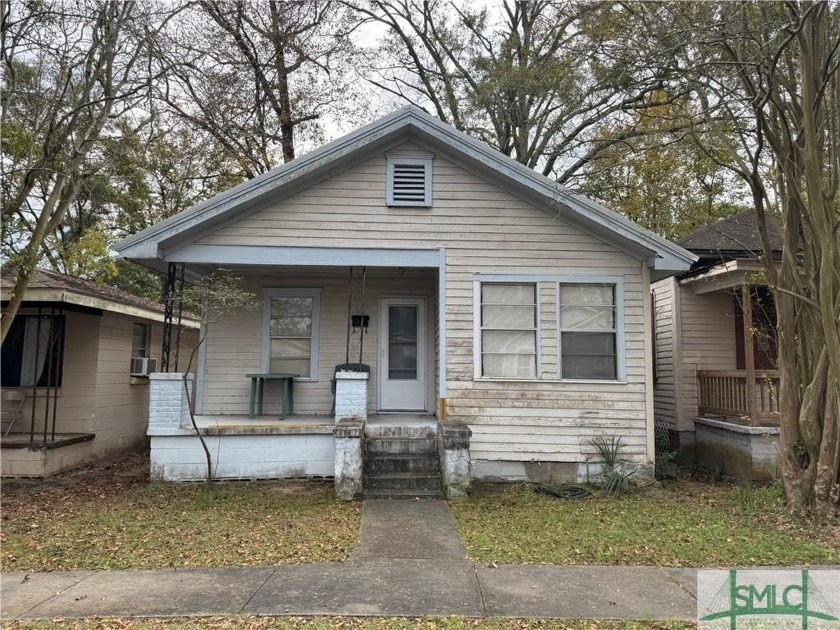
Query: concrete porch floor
{"type": "Point", "coordinates": [300, 420]}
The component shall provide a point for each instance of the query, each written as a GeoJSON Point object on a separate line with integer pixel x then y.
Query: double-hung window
{"type": "Point", "coordinates": [291, 332]}
{"type": "Point", "coordinates": [573, 332]}
{"type": "Point", "coordinates": [509, 330]}
{"type": "Point", "coordinates": [588, 334]}
{"type": "Point", "coordinates": [140, 341]}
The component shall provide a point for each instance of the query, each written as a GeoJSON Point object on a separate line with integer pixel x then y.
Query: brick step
{"type": "Point", "coordinates": [402, 463]}
{"type": "Point", "coordinates": [403, 483]}
{"type": "Point", "coordinates": [424, 495]}
{"type": "Point", "coordinates": [396, 446]}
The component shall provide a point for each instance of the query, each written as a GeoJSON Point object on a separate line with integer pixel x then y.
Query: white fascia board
{"type": "Point", "coordinates": [269, 255]}
{"type": "Point", "coordinates": [727, 275]}
{"type": "Point", "coordinates": [662, 267]}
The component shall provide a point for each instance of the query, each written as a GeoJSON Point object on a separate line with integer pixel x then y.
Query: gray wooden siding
{"type": "Point", "coordinates": [707, 339]}
{"type": "Point", "coordinates": [484, 230]}
{"type": "Point", "coordinates": [665, 340]}
{"type": "Point", "coordinates": [234, 342]}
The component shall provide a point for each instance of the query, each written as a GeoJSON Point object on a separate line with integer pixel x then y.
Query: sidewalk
{"type": "Point", "coordinates": [410, 562]}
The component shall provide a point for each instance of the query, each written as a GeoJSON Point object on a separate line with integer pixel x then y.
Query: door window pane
{"type": "Point", "coordinates": [402, 343]}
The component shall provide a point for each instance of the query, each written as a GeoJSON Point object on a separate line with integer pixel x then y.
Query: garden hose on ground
{"type": "Point", "coordinates": [571, 493]}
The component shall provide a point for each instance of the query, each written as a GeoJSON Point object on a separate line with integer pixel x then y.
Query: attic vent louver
{"type": "Point", "coordinates": [409, 181]}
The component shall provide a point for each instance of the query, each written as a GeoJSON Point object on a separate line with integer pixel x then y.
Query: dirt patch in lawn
{"type": "Point", "coordinates": [110, 516]}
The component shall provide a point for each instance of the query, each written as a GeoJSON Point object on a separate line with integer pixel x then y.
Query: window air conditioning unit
{"type": "Point", "coordinates": [143, 366]}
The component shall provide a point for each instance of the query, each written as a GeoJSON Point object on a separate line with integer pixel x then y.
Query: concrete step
{"type": "Point", "coordinates": [403, 483]}
{"type": "Point", "coordinates": [402, 463]}
{"type": "Point", "coordinates": [418, 429]}
{"type": "Point", "coordinates": [424, 495]}
{"type": "Point", "coordinates": [396, 446]}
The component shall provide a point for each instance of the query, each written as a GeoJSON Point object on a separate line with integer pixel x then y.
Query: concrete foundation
{"type": "Point", "coordinates": [244, 456]}
{"type": "Point", "coordinates": [737, 451]}
{"type": "Point", "coordinates": [552, 472]}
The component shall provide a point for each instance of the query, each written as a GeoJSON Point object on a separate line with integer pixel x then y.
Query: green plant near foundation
{"type": "Point", "coordinates": [616, 478]}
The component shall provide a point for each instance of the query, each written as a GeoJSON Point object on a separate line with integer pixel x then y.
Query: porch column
{"type": "Point", "coordinates": [351, 395]}
{"type": "Point", "coordinates": [749, 353]}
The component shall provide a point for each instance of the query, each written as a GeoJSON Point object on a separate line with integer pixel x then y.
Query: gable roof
{"type": "Point", "coordinates": [53, 286]}
{"type": "Point", "coordinates": [733, 237]}
{"type": "Point", "coordinates": [151, 244]}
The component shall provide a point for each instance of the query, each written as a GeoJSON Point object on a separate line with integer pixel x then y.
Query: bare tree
{"type": "Point", "coordinates": [254, 74]}
{"type": "Point", "coordinates": [68, 69]}
{"type": "Point", "coordinates": [534, 82]}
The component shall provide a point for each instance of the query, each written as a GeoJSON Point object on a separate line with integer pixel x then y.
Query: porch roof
{"type": "Point", "coordinates": [726, 275]}
{"type": "Point", "coordinates": [48, 287]}
{"type": "Point", "coordinates": [152, 244]}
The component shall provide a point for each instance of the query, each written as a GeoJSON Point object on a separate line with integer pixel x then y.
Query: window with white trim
{"type": "Point", "coordinates": [588, 333]}
{"type": "Point", "coordinates": [291, 332]}
{"type": "Point", "coordinates": [509, 330]}
{"type": "Point", "coordinates": [586, 313]}
{"type": "Point", "coordinates": [408, 181]}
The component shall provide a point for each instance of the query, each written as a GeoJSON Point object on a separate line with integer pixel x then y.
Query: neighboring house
{"type": "Point", "coordinates": [716, 376]}
{"type": "Point", "coordinates": [492, 298]}
{"type": "Point", "coordinates": [75, 370]}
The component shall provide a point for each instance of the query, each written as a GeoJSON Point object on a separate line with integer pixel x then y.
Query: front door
{"type": "Point", "coordinates": [402, 356]}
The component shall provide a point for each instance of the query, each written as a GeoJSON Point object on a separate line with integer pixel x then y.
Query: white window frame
{"type": "Point", "coordinates": [412, 160]}
{"type": "Point", "coordinates": [479, 329]}
{"type": "Point", "coordinates": [615, 330]}
{"type": "Point", "coordinates": [557, 280]}
{"type": "Point", "coordinates": [268, 295]}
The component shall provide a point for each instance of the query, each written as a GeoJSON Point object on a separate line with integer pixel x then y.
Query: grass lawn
{"type": "Point", "coordinates": [348, 623]}
{"type": "Point", "coordinates": [685, 523]}
{"type": "Point", "coordinates": [112, 517]}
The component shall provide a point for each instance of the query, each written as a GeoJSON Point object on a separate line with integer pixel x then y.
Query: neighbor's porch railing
{"type": "Point", "coordinates": [725, 393]}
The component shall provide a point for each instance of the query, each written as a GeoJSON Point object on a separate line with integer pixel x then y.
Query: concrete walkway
{"type": "Point", "coordinates": [410, 562]}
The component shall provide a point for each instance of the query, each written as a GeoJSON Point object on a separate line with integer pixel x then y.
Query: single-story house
{"type": "Point", "coordinates": [75, 368]}
{"type": "Point", "coordinates": [716, 372]}
{"type": "Point", "coordinates": [484, 306]}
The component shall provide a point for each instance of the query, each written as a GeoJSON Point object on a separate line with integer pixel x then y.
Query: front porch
{"type": "Point", "coordinates": [735, 380]}
{"type": "Point", "coordinates": [402, 454]}
{"type": "Point", "coordinates": [728, 395]}
{"type": "Point", "coordinates": [25, 455]}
